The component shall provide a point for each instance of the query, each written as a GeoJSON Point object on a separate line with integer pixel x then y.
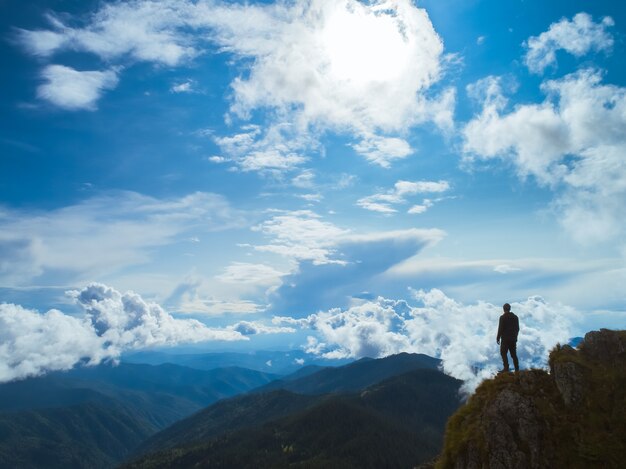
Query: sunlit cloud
{"type": "Point", "coordinates": [319, 65]}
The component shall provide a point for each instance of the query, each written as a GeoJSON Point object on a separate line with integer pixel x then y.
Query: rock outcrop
{"type": "Point", "coordinates": [572, 417]}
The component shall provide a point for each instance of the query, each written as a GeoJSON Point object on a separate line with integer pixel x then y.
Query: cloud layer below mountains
{"type": "Point", "coordinates": [462, 335]}
{"type": "Point", "coordinates": [32, 344]}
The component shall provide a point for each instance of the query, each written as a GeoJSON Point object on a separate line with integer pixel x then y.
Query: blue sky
{"type": "Point", "coordinates": [281, 171]}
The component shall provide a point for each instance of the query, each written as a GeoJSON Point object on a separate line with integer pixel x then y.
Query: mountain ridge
{"type": "Point", "coordinates": [393, 422]}
{"type": "Point", "coordinates": [94, 417]}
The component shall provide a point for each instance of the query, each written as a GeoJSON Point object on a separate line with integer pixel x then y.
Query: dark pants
{"type": "Point", "coordinates": [509, 346]}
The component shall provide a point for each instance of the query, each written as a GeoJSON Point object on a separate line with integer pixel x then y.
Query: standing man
{"type": "Point", "coordinates": [508, 328]}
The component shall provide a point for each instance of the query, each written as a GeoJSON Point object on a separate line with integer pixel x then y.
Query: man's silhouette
{"type": "Point", "coordinates": [508, 328]}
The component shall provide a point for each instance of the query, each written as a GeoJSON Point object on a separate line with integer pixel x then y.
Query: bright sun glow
{"type": "Point", "coordinates": [364, 47]}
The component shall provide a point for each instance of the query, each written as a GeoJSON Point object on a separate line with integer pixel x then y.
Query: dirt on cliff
{"type": "Point", "coordinates": [572, 417]}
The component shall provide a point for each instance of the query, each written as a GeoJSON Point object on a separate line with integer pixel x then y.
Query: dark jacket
{"type": "Point", "coordinates": [508, 328]}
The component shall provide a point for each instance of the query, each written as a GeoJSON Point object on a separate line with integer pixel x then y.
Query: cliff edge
{"type": "Point", "coordinates": [574, 416]}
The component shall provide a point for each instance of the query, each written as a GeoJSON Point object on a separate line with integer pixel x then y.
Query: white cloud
{"type": "Point", "coordinates": [257, 274]}
{"type": "Point", "coordinates": [248, 328]}
{"type": "Point", "coordinates": [217, 159]}
{"type": "Point", "coordinates": [352, 263]}
{"type": "Point", "coordinates": [102, 234]}
{"type": "Point", "coordinates": [32, 343]}
{"type": "Point", "coordinates": [383, 150]}
{"type": "Point", "coordinates": [573, 142]}
{"type": "Point", "coordinates": [319, 64]}
{"type": "Point", "coordinates": [275, 148]}
{"type": "Point", "coordinates": [577, 37]}
{"type": "Point", "coordinates": [420, 208]}
{"type": "Point", "coordinates": [301, 235]}
{"type": "Point", "coordinates": [183, 87]}
{"type": "Point", "coordinates": [144, 30]}
{"type": "Point", "coordinates": [505, 268]}
{"type": "Point", "coordinates": [304, 180]}
{"type": "Point", "coordinates": [383, 202]}
{"type": "Point", "coordinates": [463, 336]}
{"type": "Point", "coordinates": [341, 62]}
{"type": "Point", "coordinates": [196, 295]}
{"type": "Point", "coordinates": [72, 89]}
{"type": "Point", "coordinates": [316, 197]}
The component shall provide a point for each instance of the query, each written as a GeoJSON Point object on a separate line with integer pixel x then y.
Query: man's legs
{"type": "Point", "coordinates": [503, 352]}
{"type": "Point", "coordinates": [513, 349]}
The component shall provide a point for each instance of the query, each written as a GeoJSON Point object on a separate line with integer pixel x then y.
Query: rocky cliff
{"type": "Point", "coordinates": [572, 417]}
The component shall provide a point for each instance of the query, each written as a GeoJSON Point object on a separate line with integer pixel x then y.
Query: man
{"type": "Point", "coordinates": [508, 328]}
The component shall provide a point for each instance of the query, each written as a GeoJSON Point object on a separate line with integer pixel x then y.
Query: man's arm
{"type": "Point", "coordinates": [499, 330]}
{"type": "Point", "coordinates": [516, 327]}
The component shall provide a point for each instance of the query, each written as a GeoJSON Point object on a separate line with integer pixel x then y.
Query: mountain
{"type": "Point", "coordinates": [228, 415]}
{"type": "Point", "coordinates": [93, 417]}
{"type": "Point", "coordinates": [93, 434]}
{"type": "Point", "coordinates": [397, 422]}
{"type": "Point", "coordinates": [249, 410]}
{"type": "Point", "coordinates": [278, 362]}
{"type": "Point", "coordinates": [354, 376]}
{"type": "Point", "coordinates": [573, 417]}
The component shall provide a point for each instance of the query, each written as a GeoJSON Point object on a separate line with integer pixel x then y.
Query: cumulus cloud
{"type": "Point", "coordinates": [32, 344]}
{"type": "Point", "coordinates": [319, 64]}
{"type": "Point", "coordinates": [384, 202]}
{"type": "Point", "coordinates": [102, 234]}
{"type": "Point", "coordinates": [462, 335]}
{"type": "Point", "coordinates": [574, 142]}
{"type": "Point", "coordinates": [577, 36]}
{"type": "Point", "coordinates": [341, 63]}
{"type": "Point", "coordinates": [72, 89]}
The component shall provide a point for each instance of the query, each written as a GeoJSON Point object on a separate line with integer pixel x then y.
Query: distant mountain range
{"type": "Point", "coordinates": [278, 362]}
{"type": "Point", "coordinates": [93, 417]}
{"type": "Point", "coordinates": [389, 412]}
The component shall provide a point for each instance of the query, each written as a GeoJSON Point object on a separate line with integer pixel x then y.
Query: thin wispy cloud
{"type": "Point", "coordinates": [102, 234]}
{"type": "Point", "coordinates": [387, 202]}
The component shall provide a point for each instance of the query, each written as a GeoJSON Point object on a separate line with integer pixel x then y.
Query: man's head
{"type": "Point", "coordinates": [506, 307]}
